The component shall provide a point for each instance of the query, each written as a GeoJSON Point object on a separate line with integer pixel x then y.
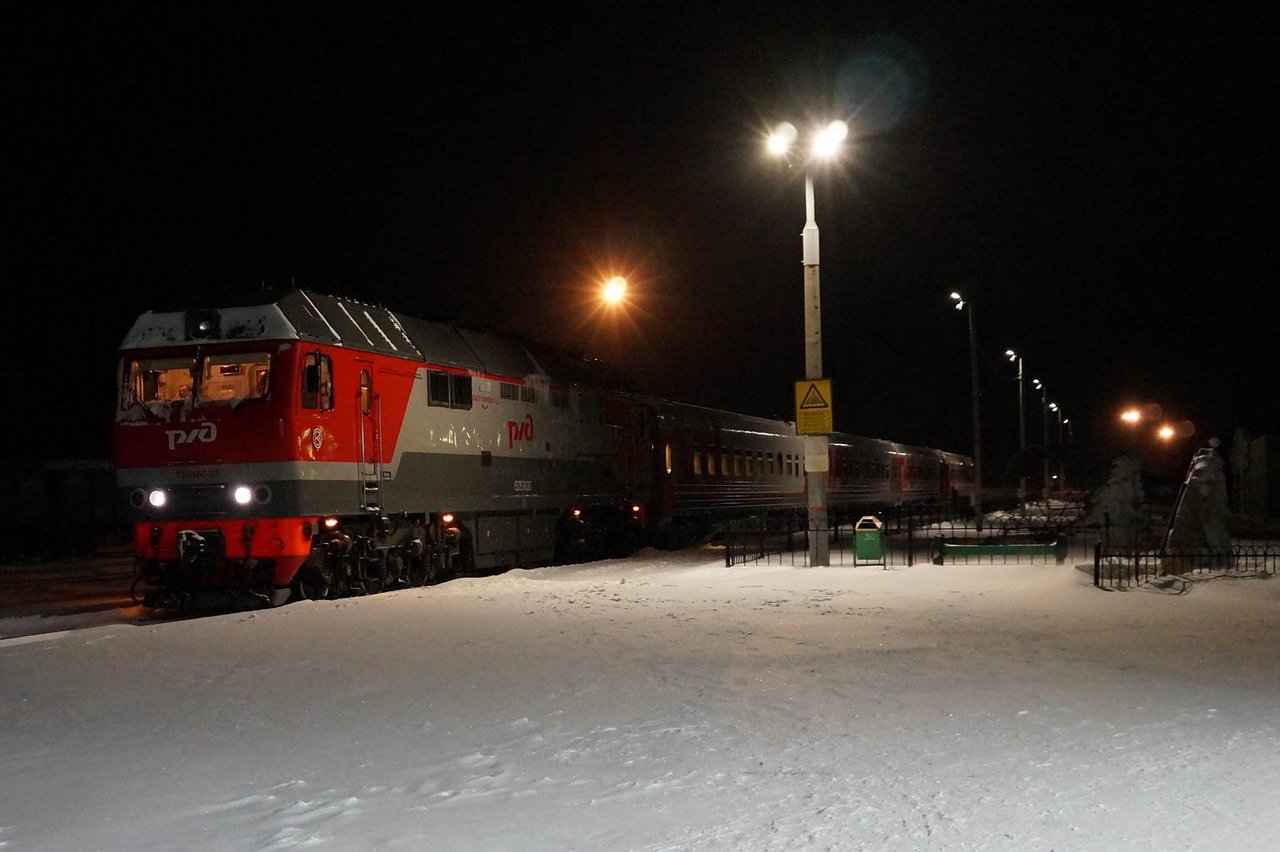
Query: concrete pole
{"type": "Point", "coordinates": [816, 459]}
{"type": "Point", "coordinates": [1022, 439]}
{"type": "Point", "coordinates": [1044, 410]}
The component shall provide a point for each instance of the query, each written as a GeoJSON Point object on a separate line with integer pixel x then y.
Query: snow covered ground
{"type": "Point", "coordinates": [661, 702]}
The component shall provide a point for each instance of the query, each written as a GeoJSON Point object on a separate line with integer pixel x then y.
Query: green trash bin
{"type": "Point", "coordinates": [868, 541]}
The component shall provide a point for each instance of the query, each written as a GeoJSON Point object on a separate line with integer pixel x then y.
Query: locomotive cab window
{"type": "Point", "coordinates": [157, 382]}
{"type": "Point", "coordinates": [233, 377]}
{"type": "Point", "coordinates": [317, 382]}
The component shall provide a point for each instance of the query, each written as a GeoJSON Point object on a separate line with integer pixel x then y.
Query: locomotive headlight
{"type": "Point", "coordinates": [157, 498]}
{"type": "Point", "coordinates": [242, 495]}
{"type": "Point", "coordinates": [446, 518]}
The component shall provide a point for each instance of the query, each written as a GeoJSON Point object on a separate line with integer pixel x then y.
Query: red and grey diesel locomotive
{"type": "Point", "coordinates": [310, 446]}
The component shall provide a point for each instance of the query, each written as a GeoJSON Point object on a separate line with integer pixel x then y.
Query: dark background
{"type": "Point", "coordinates": [1096, 183]}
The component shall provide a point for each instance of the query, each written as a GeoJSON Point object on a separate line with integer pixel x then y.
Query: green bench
{"type": "Point", "coordinates": [1057, 549]}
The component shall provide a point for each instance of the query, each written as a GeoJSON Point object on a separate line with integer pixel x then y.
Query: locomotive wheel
{"type": "Point", "coordinates": [312, 584]}
{"type": "Point", "coordinates": [437, 567]}
{"type": "Point", "coordinates": [418, 571]}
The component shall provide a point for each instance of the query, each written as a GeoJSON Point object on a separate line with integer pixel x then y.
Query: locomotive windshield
{"type": "Point", "coordinates": [224, 378]}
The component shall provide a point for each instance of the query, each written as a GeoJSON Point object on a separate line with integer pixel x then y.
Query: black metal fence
{"type": "Point", "coordinates": [909, 535]}
{"type": "Point", "coordinates": [1120, 568]}
{"type": "Point", "coordinates": [1122, 556]}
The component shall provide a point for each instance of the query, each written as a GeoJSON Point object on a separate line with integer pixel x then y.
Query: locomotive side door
{"type": "Point", "coordinates": [369, 438]}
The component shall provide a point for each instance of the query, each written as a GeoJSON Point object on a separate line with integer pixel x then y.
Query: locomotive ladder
{"type": "Point", "coordinates": [371, 464]}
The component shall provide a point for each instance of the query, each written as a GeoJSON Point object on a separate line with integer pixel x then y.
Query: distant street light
{"type": "Point", "coordinates": [826, 144]}
{"type": "Point", "coordinates": [1044, 410]}
{"type": "Point", "coordinates": [1054, 407]}
{"type": "Point", "coordinates": [1022, 431]}
{"type": "Point", "coordinates": [977, 420]}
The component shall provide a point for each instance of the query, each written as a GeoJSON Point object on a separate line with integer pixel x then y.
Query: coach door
{"type": "Point", "coordinates": [369, 412]}
{"type": "Point", "coordinates": [897, 479]}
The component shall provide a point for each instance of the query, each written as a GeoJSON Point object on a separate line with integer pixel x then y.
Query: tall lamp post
{"type": "Point", "coordinates": [826, 144]}
{"type": "Point", "coordinates": [1022, 430]}
{"type": "Point", "coordinates": [1057, 409]}
{"type": "Point", "coordinates": [977, 419]}
{"type": "Point", "coordinates": [1044, 410]}
{"type": "Point", "coordinates": [1062, 466]}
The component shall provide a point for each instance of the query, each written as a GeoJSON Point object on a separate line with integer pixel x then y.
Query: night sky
{"type": "Point", "coordinates": [1097, 185]}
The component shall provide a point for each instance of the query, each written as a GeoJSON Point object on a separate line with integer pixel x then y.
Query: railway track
{"type": "Point", "coordinates": [62, 586]}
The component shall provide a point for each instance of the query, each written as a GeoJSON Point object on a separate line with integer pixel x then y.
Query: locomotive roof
{"type": "Point", "coordinates": [307, 315]}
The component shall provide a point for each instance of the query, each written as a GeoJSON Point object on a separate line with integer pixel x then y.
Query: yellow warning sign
{"type": "Point", "coordinates": [813, 407]}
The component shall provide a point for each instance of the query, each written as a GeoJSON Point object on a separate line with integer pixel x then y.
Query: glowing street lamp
{"type": "Point", "coordinates": [1166, 433]}
{"type": "Point", "coordinates": [977, 420]}
{"type": "Point", "coordinates": [1022, 429]}
{"type": "Point", "coordinates": [615, 290]}
{"type": "Point", "coordinates": [1132, 416]}
{"type": "Point", "coordinates": [825, 145]}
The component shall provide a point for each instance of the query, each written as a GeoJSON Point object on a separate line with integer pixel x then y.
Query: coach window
{"type": "Point", "coordinates": [697, 462]}
{"type": "Point", "coordinates": [461, 391]}
{"type": "Point", "coordinates": [668, 458]}
{"type": "Point", "coordinates": [711, 462]}
{"type": "Point", "coordinates": [438, 389]}
{"type": "Point", "coordinates": [366, 392]}
{"type": "Point", "coordinates": [317, 382]}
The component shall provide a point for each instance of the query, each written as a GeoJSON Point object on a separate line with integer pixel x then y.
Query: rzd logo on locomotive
{"type": "Point", "coordinates": [206, 433]}
{"type": "Point", "coordinates": [517, 431]}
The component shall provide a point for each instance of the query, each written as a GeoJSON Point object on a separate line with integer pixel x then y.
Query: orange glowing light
{"type": "Point", "coordinates": [1131, 416]}
{"type": "Point", "coordinates": [1166, 433]}
{"type": "Point", "coordinates": [615, 289]}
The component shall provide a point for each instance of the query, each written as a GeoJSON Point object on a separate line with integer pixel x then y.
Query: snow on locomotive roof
{"type": "Point", "coordinates": [307, 315]}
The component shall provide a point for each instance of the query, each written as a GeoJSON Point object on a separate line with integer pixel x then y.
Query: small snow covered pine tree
{"type": "Point", "coordinates": [1120, 502]}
